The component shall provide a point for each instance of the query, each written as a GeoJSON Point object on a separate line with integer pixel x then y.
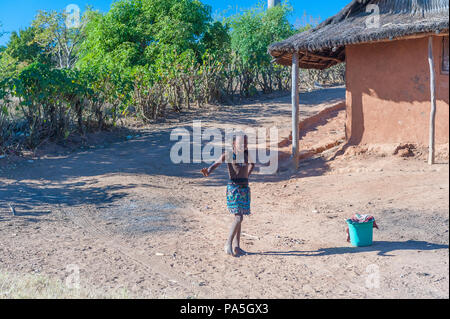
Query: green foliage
{"type": "Point", "coordinates": [136, 32]}
{"type": "Point", "coordinates": [23, 48]}
{"type": "Point", "coordinates": [142, 58]}
{"type": "Point", "coordinates": [255, 29]}
{"type": "Point", "coordinates": [217, 38]}
{"type": "Point", "coordinates": [251, 33]}
{"type": "Point", "coordinates": [61, 42]}
{"type": "Point", "coordinates": [151, 42]}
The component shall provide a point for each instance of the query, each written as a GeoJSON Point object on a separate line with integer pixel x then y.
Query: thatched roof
{"type": "Point", "coordinates": [324, 46]}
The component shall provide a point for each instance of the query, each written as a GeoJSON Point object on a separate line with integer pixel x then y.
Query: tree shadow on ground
{"type": "Point", "coordinates": [26, 197]}
{"type": "Point", "coordinates": [381, 247]}
{"type": "Point", "coordinates": [47, 181]}
{"type": "Point", "coordinates": [251, 114]}
{"type": "Point", "coordinates": [308, 168]}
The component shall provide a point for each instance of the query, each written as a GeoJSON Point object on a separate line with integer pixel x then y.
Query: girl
{"type": "Point", "coordinates": [238, 190]}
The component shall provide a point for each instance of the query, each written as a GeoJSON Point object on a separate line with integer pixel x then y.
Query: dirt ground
{"type": "Point", "coordinates": [136, 225]}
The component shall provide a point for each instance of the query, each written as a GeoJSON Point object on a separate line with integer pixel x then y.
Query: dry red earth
{"type": "Point", "coordinates": [133, 221]}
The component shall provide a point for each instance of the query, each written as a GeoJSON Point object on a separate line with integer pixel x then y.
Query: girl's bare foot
{"type": "Point", "coordinates": [229, 250]}
{"type": "Point", "coordinates": [239, 252]}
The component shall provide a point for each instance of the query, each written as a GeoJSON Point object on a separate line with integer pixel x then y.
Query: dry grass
{"type": "Point", "coordinates": [37, 286]}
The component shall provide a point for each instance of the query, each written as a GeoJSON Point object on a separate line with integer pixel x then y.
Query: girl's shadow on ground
{"type": "Point", "coordinates": [382, 247]}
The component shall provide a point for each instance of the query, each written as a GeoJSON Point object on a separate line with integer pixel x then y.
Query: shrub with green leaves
{"type": "Point", "coordinates": [251, 33]}
{"type": "Point", "coordinates": [142, 58]}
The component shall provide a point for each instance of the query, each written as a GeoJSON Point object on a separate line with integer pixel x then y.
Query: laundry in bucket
{"type": "Point", "coordinates": [360, 219]}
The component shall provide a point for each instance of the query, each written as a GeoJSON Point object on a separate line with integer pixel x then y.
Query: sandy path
{"type": "Point", "coordinates": [130, 220]}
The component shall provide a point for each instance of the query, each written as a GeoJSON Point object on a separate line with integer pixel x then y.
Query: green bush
{"type": "Point", "coordinates": [142, 58]}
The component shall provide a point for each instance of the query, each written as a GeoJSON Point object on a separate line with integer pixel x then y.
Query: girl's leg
{"type": "Point", "coordinates": [237, 238]}
{"type": "Point", "coordinates": [233, 232]}
{"type": "Point", "coordinates": [237, 242]}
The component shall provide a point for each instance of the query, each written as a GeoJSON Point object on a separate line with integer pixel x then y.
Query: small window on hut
{"type": "Point", "coordinates": [445, 62]}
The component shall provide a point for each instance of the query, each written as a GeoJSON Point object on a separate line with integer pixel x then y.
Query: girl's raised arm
{"type": "Point", "coordinates": [207, 171]}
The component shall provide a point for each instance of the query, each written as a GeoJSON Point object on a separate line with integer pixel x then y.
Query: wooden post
{"type": "Point", "coordinates": [295, 109]}
{"type": "Point", "coordinates": [431, 155]}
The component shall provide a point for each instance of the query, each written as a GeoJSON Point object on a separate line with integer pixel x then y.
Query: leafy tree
{"type": "Point", "coordinates": [136, 32]}
{"type": "Point", "coordinates": [255, 29]}
{"type": "Point", "coordinates": [217, 38]}
{"type": "Point", "coordinates": [61, 41]}
{"type": "Point", "coordinates": [164, 37]}
{"type": "Point", "coordinates": [251, 33]}
{"type": "Point", "coordinates": [22, 47]}
{"type": "Point", "coordinates": [140, 58]}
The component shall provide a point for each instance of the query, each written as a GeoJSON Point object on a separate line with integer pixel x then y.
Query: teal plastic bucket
{"type": "Point", "coordinates": [361, 235]}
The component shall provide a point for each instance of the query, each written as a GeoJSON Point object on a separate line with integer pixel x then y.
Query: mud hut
{"type": "Point", "coordinates": [397, 69]}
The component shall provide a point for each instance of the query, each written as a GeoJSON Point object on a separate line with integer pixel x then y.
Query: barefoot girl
{"type": "Point", "coordinates": [238, 190]}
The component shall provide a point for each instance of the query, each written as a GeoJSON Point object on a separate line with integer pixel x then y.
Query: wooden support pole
{"type": "Point", "coordinates": [431, 155]}
{"type": "Point", "coordinates": [295, 110]}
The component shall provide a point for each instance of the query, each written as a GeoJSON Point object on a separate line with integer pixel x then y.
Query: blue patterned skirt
{"type": "Point", "coordinates": [238, 199]}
